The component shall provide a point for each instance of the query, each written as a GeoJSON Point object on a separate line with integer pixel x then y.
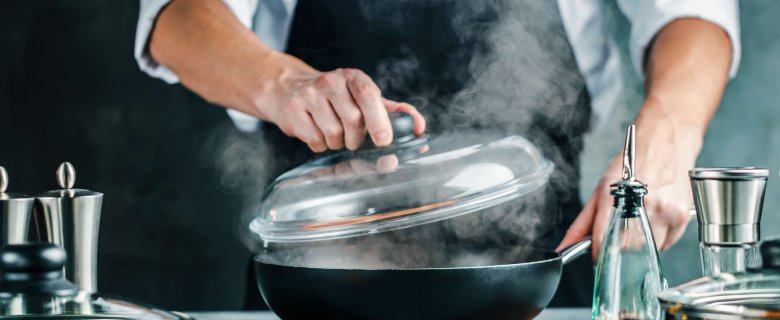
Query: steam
{"type": "Point", "coordinates": [516, 85]}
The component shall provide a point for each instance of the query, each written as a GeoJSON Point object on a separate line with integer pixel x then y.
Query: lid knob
{"type": "Point", "coordinates": [403, 126]}
{"type": "Point", "coordinates": [770, 254]}
{"type": "Point", "coordinates": [66, 176]}
{"type": "Point", "coordinates": [34, 268]}
{"type": "Point", "coordinates": [32, 257]}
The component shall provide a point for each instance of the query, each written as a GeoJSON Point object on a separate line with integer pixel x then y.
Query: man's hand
{"type": "Point", "coordinates": [687, 70]}
{"type": "Point", "coordinates": [227, 64]}
{"type": "Point", "coordinates": [665, 152]}
{"type": "Point", "coordinates": [328, 110]}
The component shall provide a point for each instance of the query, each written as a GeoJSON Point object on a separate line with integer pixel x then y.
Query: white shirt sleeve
{"type": "Point", "coordinates": [243, 9]}
{"type": "Point", "coordinates": [648, 17]}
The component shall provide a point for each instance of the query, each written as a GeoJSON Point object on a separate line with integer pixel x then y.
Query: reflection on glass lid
{"type": "Point", "coordinates": [354, 193]}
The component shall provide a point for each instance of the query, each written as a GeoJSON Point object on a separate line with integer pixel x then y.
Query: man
{"type": "Point", "coordinates": [311, 68]}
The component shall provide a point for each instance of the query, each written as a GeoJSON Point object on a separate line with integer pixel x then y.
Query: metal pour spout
{"type": "Point", "coordinates": [71, 218]}
{"type": "Point", "coordinates": [629, 155]}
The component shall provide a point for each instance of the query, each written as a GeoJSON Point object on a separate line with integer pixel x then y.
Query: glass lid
{"type": "Point", "coordinates": [751, 294]}
{"type": "Point", "coordinates": [414, 181]}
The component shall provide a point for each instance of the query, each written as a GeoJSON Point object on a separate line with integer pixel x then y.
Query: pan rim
{"type": "Point", "coordinates": [495, 266]}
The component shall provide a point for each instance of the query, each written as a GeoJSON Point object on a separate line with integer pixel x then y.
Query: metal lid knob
{"type": "Point", "coordinates": [34, 268]}
{"type": "Point", "coordinates": [770, 254]}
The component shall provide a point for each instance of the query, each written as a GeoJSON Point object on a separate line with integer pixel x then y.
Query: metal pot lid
{"type": "Point", "coordinates": [415, 181]}
{"type": "Point", "coordinates": [754, 294]}
{"type": "Point", "coordinates": [33, 286]}
{"type": "Point", "coordinates": [81, 306]}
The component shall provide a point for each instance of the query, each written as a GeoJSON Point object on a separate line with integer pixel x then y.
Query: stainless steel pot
{"type": "Point", "coordinates": [754, 294]}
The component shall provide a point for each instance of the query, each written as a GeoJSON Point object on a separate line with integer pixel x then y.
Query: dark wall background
{"type": "Point", "coordinates": [71, 91]}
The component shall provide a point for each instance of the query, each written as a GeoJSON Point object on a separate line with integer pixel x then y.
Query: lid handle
{"type": "Point", "coordinates": [770, 254]}
{"type": "Point", "coordinates": [403, 130]}
{"type": "Point", "coordinates": [34, 268]}
{"type": "Point", "coordinates": [403, 126]}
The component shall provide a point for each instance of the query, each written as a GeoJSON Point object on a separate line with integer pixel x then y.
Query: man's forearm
{"type": "Point", "coordinates": [210, 50]}
{"type": "Point", "coordinates": [687, 71]}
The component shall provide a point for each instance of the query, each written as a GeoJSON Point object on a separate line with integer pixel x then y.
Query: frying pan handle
{"type": "Point", "coordinates": [576, 250]}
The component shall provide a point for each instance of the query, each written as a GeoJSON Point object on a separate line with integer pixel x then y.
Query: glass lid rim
{"type": "Point", "coordinates": [504, 192]}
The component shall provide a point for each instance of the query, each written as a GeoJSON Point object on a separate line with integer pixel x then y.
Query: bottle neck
{"type": "Point", "coordinates": [630, 204]}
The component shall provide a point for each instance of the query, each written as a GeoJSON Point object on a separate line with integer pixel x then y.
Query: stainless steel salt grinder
{"type": "Point", "coordinates": [15, 210]}
{"type": "Point", "coordinates": [728, 204]}
{"type": "Point", "coordinates": [71, 218]}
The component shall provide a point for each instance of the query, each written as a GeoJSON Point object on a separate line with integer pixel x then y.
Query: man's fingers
{"type": "Point", "coordinates": [674, 235]}
{"type": "Point", "coordinates": [387, 163]}
{"type": "Point", "coordinates": [581, 227]}
{"type": "Point", "coordinates": [346, 108]}
{"type": "Point", "coordinates": [419, 120]}
{"type": "Point", "coordinates": [601, 218]}
{"type": "Point", "coordinates": [307, 131]}
{"type": "Point", "coordinates": [679, 223]}
{"type": "Point", "coordinates": [329, 124]}
{"type": "Point", "coordinates": [658, 226]}
{"type": "Point", "coordinates": [668, 221]}
{"type": "Point", "coordinates": [369, 99]}
{"type": "Point", "coordinates": [361, 166]}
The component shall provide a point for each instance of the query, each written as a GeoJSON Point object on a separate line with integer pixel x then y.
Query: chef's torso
{"type": "Point", "coordinates": [499, 65]}
{"type": "Point", "coordinates": [502, 65]}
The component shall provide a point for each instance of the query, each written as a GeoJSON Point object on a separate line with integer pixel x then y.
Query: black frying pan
{"type": "Point", "coordinates": [517, 285]}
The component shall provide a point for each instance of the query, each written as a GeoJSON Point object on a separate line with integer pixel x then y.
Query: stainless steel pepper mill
{"type": "Point", "coordinates": [15, 210]}
{"type": "Point", "coordinates": [728, 205]}
{"type": "Point", "coordinates": [71, 218]}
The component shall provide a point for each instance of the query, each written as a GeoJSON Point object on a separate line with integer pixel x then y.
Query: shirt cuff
{"type": "Point", "coordinates": [150, 9]}
{"type": "Point", "coordinates": [146, 18]}
{"type": "Point", "coordinates": [648, 17]}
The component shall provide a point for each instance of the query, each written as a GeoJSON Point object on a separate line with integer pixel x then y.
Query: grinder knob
{"type": "Point", "coordinates": [3, 180]}
{"type": "Point", "coordinates": [34, 268]}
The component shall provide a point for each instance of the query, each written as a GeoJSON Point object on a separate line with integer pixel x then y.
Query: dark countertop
{"type": "Point", "coordinates": [547, 314]}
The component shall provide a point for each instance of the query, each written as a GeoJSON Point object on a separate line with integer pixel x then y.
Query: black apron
{"type": "Point", "coordinates": [496, 64]}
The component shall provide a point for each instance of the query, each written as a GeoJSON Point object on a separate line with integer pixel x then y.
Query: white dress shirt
{"type": "Point", "coordinates": [595, 51]}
